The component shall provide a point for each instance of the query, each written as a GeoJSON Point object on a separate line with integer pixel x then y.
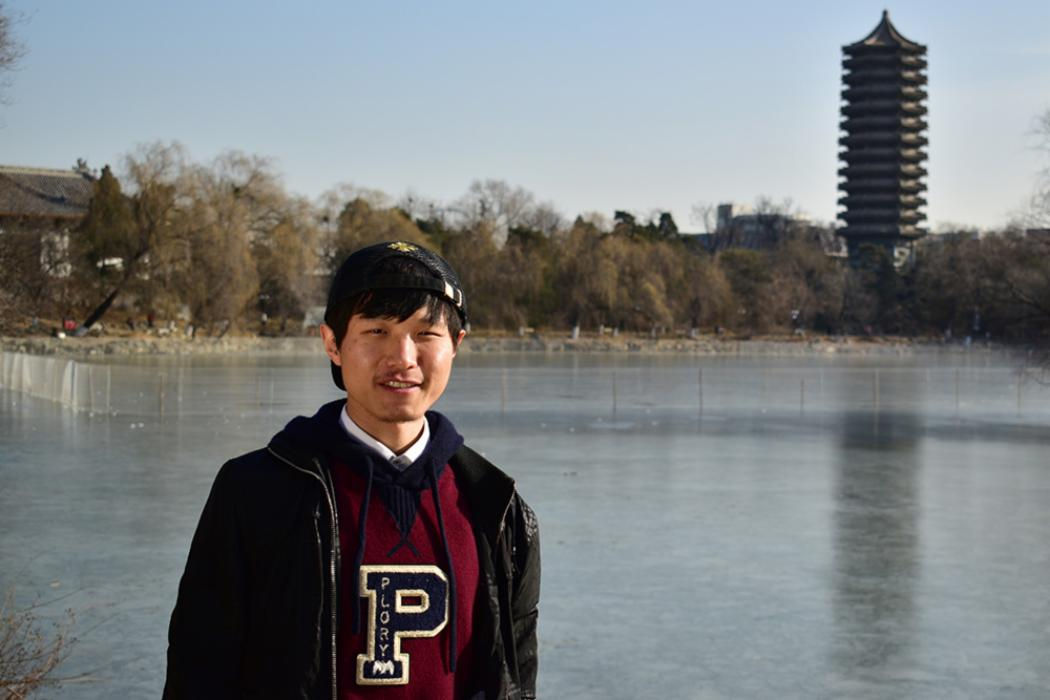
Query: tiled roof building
{"type": "Point", "coordinates": [39, 208]}
{"type": "Point", "coordinates": [39, 193]}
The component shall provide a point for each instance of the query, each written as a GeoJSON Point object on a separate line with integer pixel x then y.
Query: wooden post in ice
{"type": "Point", "coordinates": [700, 390]}
{"type": "Point", "coordinates": [91, 388]}
{"type": "Point", "coordinates": [1019, 374]}
{"type": "Point", "coordinates": [73, 385]}
{"type": "Point", "coordinates": [503, 392]}
{"type": "Point", "coordinates": [614, 393]}
{"type": "Point", "coordinates": [875, 389]}
{"type": "Point", "coordinates": [161, 380]}
{"type": "Point", "coordinates": [271, 391]}
{"type": "Point", "coordinates": [956, 392]}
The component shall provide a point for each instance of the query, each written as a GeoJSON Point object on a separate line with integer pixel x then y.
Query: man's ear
{"type": "Point", "coordinates": [457, 340]}
{"type": "Point", "coordinates": [331, 348]}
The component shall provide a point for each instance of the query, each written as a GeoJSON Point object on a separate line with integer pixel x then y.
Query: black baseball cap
{"type": "Point", "coordinates": [357, 274]}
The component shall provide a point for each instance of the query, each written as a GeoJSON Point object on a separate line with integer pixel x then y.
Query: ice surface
{"type": "Point", "coordinates": [723, 528]}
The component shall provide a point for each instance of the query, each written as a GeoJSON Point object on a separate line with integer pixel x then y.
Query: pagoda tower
{"type": "Point", "coordinates": [884, 120]}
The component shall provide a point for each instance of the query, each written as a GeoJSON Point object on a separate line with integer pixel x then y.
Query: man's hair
{"type": "Point", "coordinates": [395, 303]}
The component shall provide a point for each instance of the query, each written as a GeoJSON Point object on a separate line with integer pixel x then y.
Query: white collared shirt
{"type": "Point", "coordinates": [400, 461]}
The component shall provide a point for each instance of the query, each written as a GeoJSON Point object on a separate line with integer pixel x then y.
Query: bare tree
{"type": "Point", "coordinates": [705, 296]}
{"type": "Point", "coordinates": [225, 209]}
{"type": "Point", "coordinates": [287, 259]}
{"type": "Point", "coordinates": [220, 239]}
{"type": "Point", "coordinates": [495, 205]}
{"type": "Point", "coordinates": [545, 218]}
{"type": "Point", "coordinates": [1039, 211]}
{"type": "Point", "coordinates": [808, 285]}
{"type": "Point", "coordinates": [474, 255]}
{"type": "Point", "coordinates": [596, 219]}
{"type": "Point", "coordinates": [141, 244]}
{"type": "Point", "coordinates": [750, 276]}
{"type": "Point", "coordinates": [11, 50]}
{"type": "Point", "coordinates": [359, 224]}
{"type": "Point", "coordinates": [1016, 270]}
{"type": "Point", "coordinates": [584, 282]}
{"type": "Point", "coordinates": [703, 214]}
{"type": "Point", "coordinates": [419, 208]}
{"type": "Point", "coordinates": [334, 199]}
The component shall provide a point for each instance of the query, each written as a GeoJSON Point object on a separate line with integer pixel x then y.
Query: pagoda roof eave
{"type": "Point", "coordinates": [885, 34]}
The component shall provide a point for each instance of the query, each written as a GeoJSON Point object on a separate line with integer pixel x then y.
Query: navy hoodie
{"type": "Point", "coordinates": [409, 559]}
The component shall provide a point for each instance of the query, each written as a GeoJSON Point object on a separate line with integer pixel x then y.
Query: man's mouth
{"type": "Point", "coordinates": [395, 384]}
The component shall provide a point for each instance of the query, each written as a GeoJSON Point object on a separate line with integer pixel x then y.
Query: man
{"type": "Point", "coordinates": [366, 552]}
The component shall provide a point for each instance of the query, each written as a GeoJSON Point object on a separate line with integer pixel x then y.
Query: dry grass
{"type": "Point", "coordinates": [30, 650]}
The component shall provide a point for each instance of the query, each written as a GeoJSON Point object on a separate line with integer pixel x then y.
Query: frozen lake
{"type": "Point", "coordinates": [726, 528]}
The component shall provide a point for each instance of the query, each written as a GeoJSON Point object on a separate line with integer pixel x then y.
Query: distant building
{"type": "Point", "coordinates": [726, 212]}
{"type": "Point", "coordinates": [47, 203]}
{"type": "Point", "coordinates": [742, 226]}
{"type": "Point", "coordinates": [883, 117]}
{"type": "Point", "coordinates": [936, 239]}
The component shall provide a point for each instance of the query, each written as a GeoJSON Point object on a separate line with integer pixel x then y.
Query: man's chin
{"type": "Point", "coordinates": [401, 416]}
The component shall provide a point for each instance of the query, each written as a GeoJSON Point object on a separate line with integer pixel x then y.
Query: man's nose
{"type": "Point", "coordinates": [402, 351]}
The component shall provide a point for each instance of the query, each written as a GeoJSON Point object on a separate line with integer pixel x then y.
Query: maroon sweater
{"type": "Point", "coordinates": [403, 587]}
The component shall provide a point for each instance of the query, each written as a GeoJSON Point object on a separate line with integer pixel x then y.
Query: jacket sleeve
{"type": "Point", "coordinates": [207, 627]}
{"type": "Point", "coordinates": [526, 596]}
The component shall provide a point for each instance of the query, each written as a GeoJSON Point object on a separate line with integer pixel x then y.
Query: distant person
{"type": "Point", "coordinates": [366, 552]}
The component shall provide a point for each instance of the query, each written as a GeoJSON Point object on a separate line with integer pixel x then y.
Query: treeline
{"type": "Point", "coordinates": [223, 244]}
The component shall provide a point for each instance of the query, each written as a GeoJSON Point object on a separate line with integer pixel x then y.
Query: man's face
{"type": "Point", "coordinates": [393, 370]}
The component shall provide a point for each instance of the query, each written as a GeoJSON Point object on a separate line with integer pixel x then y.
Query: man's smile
{"type": "Point", "coordinates": [396, 384]}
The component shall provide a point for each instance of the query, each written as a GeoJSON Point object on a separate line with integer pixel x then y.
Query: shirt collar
{"type": "Point", "coordinates": [400, 461]}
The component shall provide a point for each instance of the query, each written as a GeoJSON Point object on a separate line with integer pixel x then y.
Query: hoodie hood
{"type": "Point", "coordinates": [322, 435]}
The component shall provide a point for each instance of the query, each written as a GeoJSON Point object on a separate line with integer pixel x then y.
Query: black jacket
{"type": "Point", "coordinates": [257, 605]}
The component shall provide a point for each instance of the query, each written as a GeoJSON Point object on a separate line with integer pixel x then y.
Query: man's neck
{"type": "Point", "coordinates": [398, 437]}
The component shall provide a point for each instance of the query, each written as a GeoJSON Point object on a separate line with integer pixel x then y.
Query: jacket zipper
{"type": "Point", "coordinates": [331, 555]}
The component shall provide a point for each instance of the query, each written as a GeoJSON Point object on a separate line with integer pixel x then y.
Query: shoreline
{"type": "Point", "coordinates": [705, 345]}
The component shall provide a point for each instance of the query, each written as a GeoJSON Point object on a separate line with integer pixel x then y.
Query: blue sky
{"type": "Point", "coordinates": [594, 106]}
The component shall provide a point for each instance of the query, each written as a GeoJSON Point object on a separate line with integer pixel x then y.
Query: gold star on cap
{"type": "Point", "coordinates": [402, 247]}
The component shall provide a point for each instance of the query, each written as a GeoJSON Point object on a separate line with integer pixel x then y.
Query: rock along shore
{"type": "Point", "coordinates": [481, 343]}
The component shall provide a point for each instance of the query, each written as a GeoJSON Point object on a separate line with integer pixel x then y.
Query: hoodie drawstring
{"type": "Point", "coordinates": [451, 570]}
{"type": "Point", "coordinates": [359, 556]}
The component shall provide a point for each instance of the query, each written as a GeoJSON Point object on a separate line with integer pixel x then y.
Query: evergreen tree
{"type": "Point", "coordinates": [104, 238]}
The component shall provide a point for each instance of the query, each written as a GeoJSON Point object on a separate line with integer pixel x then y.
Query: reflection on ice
{"type": "Point", "coordinates": [876, 547]}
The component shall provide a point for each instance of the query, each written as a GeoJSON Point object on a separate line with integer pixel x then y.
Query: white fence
{"type": "Point", "coordinates": [150, 388]}
{"type": "Point", "coordinates": [82, 386]}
